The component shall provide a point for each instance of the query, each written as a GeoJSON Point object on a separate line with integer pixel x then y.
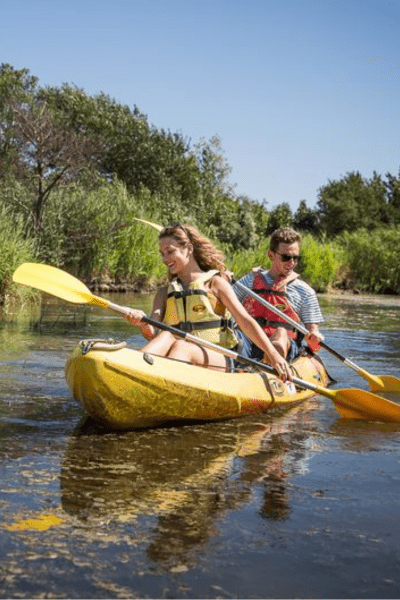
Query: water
{"type": "Point", "coordinates": [296, 504]}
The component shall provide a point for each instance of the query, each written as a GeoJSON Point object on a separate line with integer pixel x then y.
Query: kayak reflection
{"type": "Point", "coordinates": [185, 476]}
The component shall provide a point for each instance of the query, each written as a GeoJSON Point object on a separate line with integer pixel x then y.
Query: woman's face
{"type": "Point", "coordinates": [174, 256]}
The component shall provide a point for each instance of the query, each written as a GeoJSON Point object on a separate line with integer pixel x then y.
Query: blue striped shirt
{"type": "Point", "coordinates": [300, 295]}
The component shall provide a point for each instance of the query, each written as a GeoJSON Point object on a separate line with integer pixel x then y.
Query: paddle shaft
{"type": "Point", "coordinates": [225, 351]}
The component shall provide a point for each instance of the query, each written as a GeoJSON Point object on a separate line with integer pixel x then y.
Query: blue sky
{"type": "Point", "coordinates": [300, 92]}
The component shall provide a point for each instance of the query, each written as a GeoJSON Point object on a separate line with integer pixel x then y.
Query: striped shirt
{"type": "Point", "coordinates": [300, 295]}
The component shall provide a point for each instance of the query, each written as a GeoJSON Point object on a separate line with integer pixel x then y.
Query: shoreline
{"type": "Point", "coordinates": [147, 287]}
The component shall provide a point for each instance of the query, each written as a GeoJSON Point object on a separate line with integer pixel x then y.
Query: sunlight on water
{"type": "Point", "coordinates": [195, 511]}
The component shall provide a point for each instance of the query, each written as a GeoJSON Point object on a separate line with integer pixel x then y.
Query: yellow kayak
{"type": "Point", "coordinates": [123, 388]}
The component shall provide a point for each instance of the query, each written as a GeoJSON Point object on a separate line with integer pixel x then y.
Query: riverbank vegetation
{"type": "Point", "coordinates": [75, 170]}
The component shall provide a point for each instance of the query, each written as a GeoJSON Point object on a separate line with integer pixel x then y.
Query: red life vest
{"type": "Point", "coordinates": [275, 295]}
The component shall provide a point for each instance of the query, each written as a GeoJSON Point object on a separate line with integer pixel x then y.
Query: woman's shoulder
{"type": "Point", "coordinates": [220, 283]}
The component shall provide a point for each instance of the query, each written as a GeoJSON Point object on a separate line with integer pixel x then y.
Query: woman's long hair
{"type": "Point", "coordinates": [205, 253]}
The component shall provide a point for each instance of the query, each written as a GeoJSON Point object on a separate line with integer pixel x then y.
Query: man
{"type": "Point", "coordinates": [281, 286]}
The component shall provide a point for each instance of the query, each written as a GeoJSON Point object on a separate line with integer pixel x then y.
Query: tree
{"type": "Point", "coordinates": [14, 85]}
{"type": "Point", "coordinates": [280, 216]}
{"type": "Point", "coordinates": [216, 204]}
{"type": "Point", "coordinates": [140, 155]}
{"type": "Point", "coordinates": [392, 213]}
{"type": "Point", "coordinates": [49, 154]}
{"type": "Point", "coordinates": [305, 219]}
{"type": "Point", "coordinates": [351, 203]}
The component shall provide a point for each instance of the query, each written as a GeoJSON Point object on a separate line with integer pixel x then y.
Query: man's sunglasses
{"type": "Point", "coordinates": [288, 257]}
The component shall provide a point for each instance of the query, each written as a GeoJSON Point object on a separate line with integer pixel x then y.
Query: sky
{"type": "Point", "coordinates": [300, 92]}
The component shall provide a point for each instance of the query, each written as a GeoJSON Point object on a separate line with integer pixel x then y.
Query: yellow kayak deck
{"type": "Point", "coordinates": [125, 389]}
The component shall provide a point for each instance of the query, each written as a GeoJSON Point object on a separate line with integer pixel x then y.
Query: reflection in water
{"type": "Point", "coordinates": [188, 477]}
{"type": "Point", "coordinates": [364, 436]}
{"type": "Point", "coordinates": [220, 500]}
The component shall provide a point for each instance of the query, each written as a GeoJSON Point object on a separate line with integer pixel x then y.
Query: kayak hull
{"type": "Point", "coordinates": [125, 389]}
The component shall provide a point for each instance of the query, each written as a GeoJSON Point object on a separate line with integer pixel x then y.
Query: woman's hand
{"type": "Point", "coordinates": [135, 316]}
{"type": "Point", "coordinates": [281, 366]}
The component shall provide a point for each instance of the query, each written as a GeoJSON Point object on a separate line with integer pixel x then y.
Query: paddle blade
{"type": "Point", "coordinates": [158, 227]}
{"type": "Point", "coordinates": [360, 404]}
{"type": "Point", "coordinates": [53, 281]}
{"type": "Point", "coordinates": [385, 383]}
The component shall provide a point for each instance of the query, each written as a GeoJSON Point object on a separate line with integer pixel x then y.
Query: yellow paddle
{"type": "Point", "coordinates": [351, 403]}
{"type": "Point", "coordinates": [377, 383]}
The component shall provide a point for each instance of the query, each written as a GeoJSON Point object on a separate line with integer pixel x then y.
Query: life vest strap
{"type": "Point", "coordinates": [185, 293]}
{"type": "Point", "coordinates": [189, 326]}
{"type": "Point", "coordinates": [263, 322]}
{"type": "Point", "coordinates": [270, 291]}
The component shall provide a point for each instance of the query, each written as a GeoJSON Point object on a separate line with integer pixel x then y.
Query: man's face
{"type": "Point", "coordinates": [281, 266]}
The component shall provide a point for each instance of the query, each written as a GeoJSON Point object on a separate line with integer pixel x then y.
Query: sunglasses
{"type": "Point", "coordinates": [288, 257]}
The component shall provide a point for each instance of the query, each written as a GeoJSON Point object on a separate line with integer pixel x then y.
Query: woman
{"type": "Point", "coordinates": [199, 299]}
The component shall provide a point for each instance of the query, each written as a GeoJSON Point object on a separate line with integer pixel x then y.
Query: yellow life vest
{"type": "Point", "coordinates": [193, 310]}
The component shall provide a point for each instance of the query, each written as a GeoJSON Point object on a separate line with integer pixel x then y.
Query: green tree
{"type": "Point", "coordinates": [49, 155]}
{"type": "Point", "coordinates": [280, 216]}
{"type": "Point", "coordinates": [392, 213]}
{"type": "Point", "coordinates": [351, 203]}
{"type": "Point", "coordinates": [213, 180]}
{"type": "Point", "coordinates": [140, 155]}
{"type": "Point", "coordinates": [14, 85]}
{"type": "Point", "coordinates": [305, 219]}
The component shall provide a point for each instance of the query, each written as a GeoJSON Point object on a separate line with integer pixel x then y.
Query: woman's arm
{"type": "Point", "coordinates": [223, 291]}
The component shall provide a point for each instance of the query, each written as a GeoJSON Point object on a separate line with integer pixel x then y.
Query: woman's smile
{"type": "Point", "coordinates": [174, 256]}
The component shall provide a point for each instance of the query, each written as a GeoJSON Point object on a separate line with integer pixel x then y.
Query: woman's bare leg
{"type": "Point", "coordinates": [197, 355]}
{"type": "Point", "coordinates": [161, 344]}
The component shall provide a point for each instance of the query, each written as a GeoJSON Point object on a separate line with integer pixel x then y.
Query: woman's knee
{"type": "Point", "coordinates": [182, 350]}
{"type": "Point", "coordinates": [161, 344]}
{"type": "Point", "coordinates": [178, 347]}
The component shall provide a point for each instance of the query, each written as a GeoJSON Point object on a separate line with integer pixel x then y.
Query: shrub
{"type": "Point", "coordinates": [373, 257]}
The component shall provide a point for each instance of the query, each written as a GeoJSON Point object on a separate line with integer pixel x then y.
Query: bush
{"type": "Point", "coordinates": [320, 263]}
{"type": "Point", "coordinates": [373, 258]}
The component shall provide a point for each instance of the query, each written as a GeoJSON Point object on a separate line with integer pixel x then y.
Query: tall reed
{"type": "Point", "coordinates": [14, 250]}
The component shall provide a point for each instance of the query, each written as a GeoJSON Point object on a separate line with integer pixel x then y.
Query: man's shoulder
{"type": "Point", "coordinates": [246, 278]}
{"type": "Point", "coordinates": [300, 284]}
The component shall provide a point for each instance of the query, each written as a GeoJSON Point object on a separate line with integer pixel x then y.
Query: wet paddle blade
{"type": "Point", "coordinates": [360, 404]}
{"type": "Point", "coordinates": [353, 403]}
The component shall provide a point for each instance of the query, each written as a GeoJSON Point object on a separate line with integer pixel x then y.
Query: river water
{"type": "Point", "coordinates": [294, 504]}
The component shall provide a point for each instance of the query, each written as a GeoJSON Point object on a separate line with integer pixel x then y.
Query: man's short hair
{"type": "Point", "coordinates": [285, 235]}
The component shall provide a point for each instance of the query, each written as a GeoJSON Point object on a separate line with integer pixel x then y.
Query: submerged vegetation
{"type": "Point", "coordinates": [75, 170]}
